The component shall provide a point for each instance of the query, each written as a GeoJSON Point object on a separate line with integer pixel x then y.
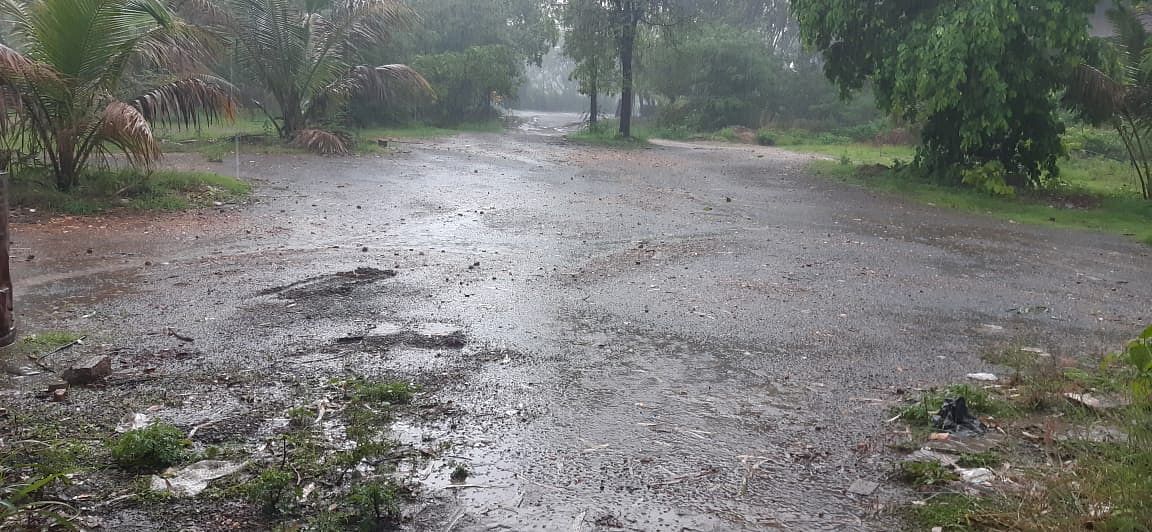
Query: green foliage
{"type": "Point", "coordinates": [65, 76]}
{"type": "Point", "coordinates": [980, 76]}
{"type": "Point", "coordinates": [274, 490]}
{"type": "Point", "coordinates": [988, 178]}
{"type": "Point", "coordinates": [151, 448]}
{"type": "Point", "coordinates": [987, 459]}
{"type": "Point", "coordinates": [1095, 142]}
{"type": "Point", "coordinates": [950, 511]}
{"type": "Point", "coordinates": [605, 134]}
{"type": "Point", "coordinates": [307, 56]}
{"type": "Point", "coordinates": [103, 190]}
{"type": "Point", "coordinates": [1138, 355]}
{"type": "Point", "coordinates": [765, 138]}
{"type": "Point", "coordinates": [1113, 86]}
{"type": "Point", "coordinates": [25, 501]}
{"type": "Point", "coordinates": [465, 82]}
{"type": "Point", "coordinates": [715, 76]}
{"type": "Point", "coordinates": [504, 36]}
{"type": "Point", "coordinates": [980, 403]}
{"type": "Point", "coordinates": [396, 392]}
{"type": "Point", "coordinates": [376, 502]}
{"type": "Point", "coordinates": [926, 473]}
{"type": "Point", "coordinates": [1094, 194]}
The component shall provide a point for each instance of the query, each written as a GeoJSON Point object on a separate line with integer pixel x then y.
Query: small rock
{"type": "Point", "coordinates": [939, 436]}
{"type": "Point", "coordinates": [863, 487]}
{"type": "Point", "coordinates": [88, 371]}
{"type": "Point", "coordinates": [982, 377]}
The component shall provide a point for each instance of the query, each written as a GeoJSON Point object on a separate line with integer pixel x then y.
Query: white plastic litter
{"type": "Point", "coordinates": [194, 479]}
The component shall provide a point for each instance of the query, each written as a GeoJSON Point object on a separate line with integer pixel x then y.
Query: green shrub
{"type": "Point", "coordinates": [273, 490]}
{"type": "Point", "coordinates": [765, 138]}
{"type": "Point", "coordinates": [150, 448]}
{"type": "Point", "coordinates": [376, 502]}
{"type": "Point", "coordinates": [989, 178]}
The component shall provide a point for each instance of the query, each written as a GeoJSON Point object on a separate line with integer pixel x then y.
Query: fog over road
{"type": "Point", "coordinates": [694, 336]}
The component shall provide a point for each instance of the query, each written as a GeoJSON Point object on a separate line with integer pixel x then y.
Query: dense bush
{"type": "Point", "coordinates": [718, 78]}
{"type": "Point", "coordinates": [469, 83]}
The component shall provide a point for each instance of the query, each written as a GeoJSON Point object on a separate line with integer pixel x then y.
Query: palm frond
{"type": "Point", "coordinates": [1097, 96]}
{"type": "Point", "coordinates": [320, 141]}
{"type": "Point", "coordinates": [126, 127]}
{"type": "Point", "coordinates": [387, 82]}
{"type": "Point", "coordinates": [188, 100]}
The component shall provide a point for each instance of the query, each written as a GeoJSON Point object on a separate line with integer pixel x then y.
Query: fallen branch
{"type": "Point", "coordinates": [37, 359]}
{"type": "Point", "coordinates": [172, 332]}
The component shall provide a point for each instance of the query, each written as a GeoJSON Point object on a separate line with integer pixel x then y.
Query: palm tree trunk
{"type": "Point", "coordinates": [1134, 147]}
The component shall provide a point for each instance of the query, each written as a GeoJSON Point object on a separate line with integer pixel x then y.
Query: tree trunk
{"type": "Point", "coordinates": [627, 47]}
{"type": "Point", "coordinates": [594, 106]}
{"type": "Point", "coordinates": [7, 322]}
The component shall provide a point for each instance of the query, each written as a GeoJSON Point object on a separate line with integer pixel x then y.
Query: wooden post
{"type": "Point", "coordinates": [7, 320]}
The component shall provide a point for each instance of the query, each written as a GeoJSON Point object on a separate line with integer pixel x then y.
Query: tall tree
{"type": "Point", "coordinates": [61, 95]}
{"type": "Point", "coordinates": [306, 54]}
{"type": "Point", "coordinates": [621, 19]}
{"type": "Point", "coordinates": [589, 40]}
{"type": "Point", "coordinates": [980, 75]}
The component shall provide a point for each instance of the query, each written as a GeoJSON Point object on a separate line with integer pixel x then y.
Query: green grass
{"type": "Point", "coordinates": [1058, 482]}
{"type": "Point", "coordinates": [926, 473]}
{"type": "Point", "coordinates": [104, 190]}
{"type": "Point", "coordinates": [396, 392]}
{"type": "Point", "coordinates": [1096, 196]}
{"type": "Point", "coordinates": [607, 134]}
{"type": "Point", "coordinates": [951, 512]}
{"type": "Point", "coordinates": [980, 403]}
{"type": "Point", "coordinates": [218, 141]}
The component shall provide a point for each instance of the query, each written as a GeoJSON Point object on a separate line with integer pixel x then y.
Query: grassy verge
{"type": "Point", "coordinates": [1052, 462]}
{"type": "Point", "coordinates": [1094, 197]}
{"type": "Point", "coordinates": [258, 136]}
{"type": "Point", "coordinates": [606, 133]}
{"type": "Point", "coordinates": [303, 473]}
{"type": "Point", "coordinates": [100, 191]}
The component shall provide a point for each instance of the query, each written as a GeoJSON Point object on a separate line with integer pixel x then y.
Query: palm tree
{"type": "Point", "coordinates": [61, 80]}
{"type": "Point", "coordinates": [305, 54]}
{"type": "Point", "coordinates": [1124, 98]}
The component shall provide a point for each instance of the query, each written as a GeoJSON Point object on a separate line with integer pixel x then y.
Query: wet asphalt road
{"type": "Point", "coordinates": [687, 337]}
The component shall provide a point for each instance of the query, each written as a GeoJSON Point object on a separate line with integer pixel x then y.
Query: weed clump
{"type": "Point", "coordinates": [979, 402]}
{"type": "Point", "coordinates": [272, 490]}
{"type": "Point", "coordinates": [396, 392]}
{"type": "Point", "coordinates": [926, 473]}
{"type": "Point", "coordinates": [376, 502]}
{"type": "Point", "coordinates": [151, 448]}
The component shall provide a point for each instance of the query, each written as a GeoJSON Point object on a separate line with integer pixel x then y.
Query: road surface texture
{"type": "Point", "coordinates": [685, 337]}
